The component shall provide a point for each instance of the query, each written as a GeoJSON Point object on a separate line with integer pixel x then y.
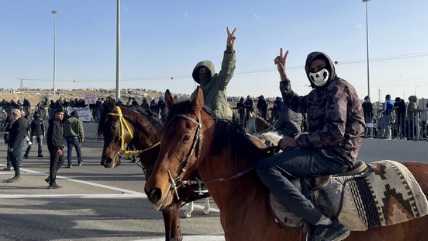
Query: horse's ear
{"type": "Point", "coordinates": [169, 100]}
{"type": "Point", "coordinates": [198, 99]}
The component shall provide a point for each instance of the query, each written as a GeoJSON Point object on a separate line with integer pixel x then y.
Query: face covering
{"type": "Point", "coordinates": [320, 78]}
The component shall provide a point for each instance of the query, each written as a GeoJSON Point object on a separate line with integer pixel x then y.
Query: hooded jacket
{"type": "Point", "coordinates": [215, 88]}
{"type": "Point", "coordinates": [334, 115]}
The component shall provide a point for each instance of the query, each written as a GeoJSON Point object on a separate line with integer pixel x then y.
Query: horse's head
{"type": "Point", "coordinates": [179, 151]}
{"type": "Point", "coordinates": [117, 132]}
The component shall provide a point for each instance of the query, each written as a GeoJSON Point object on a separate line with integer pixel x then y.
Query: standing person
{"type": "Point", "coordinates": [400, 116]}
{"type": "Point", "coordinates": [17, 134]}
{"type": "Point", "coordinates": [154, 108]}
{"type": "Point", "coordinates": [276, 109]}
{"type": "Point", "coordinates": [331, 145]}
{"type": "Point", "coordinates": [145, 104]}
{"type": "Point", "coordinates": [162, 108]}
{"type": "Point", "coordinates": [74, 135]}
{"type": "Point", "coordinates": [55, 141]}
{"type": "Point", "coordinates": [387, 116]}
{"type": "Point", "coordinates": [262, 107]}
{"type": "Point", "coordinates": [37, 130]}
{"type": "Point", "coordinates": [413, 118]}
{"type": "Point", "coordinates": [214, 84]}
{"type": "Point", "coordinates": [6, 137]}
{"type": "Point", "coordinates": [249, 108]}
{"type": "Point", "coordinates": [241, 111]}
{"type": "Point", "coordinates": [368, 116]}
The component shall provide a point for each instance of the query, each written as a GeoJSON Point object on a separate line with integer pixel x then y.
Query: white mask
{"type": "Point", "coordinates": [320, 78]}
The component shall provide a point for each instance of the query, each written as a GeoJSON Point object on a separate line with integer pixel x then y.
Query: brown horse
{"type": "Point", "coordinates": [122, 127]}
{"type": "Point", "coordinates": [193, 140]}
{"type": "Point", "coordinates": [142, 131]}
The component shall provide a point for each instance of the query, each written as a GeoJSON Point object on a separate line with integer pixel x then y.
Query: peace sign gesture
{"type": "Point", "coordinates": [230, 37]}
{"type": "Point", "coordinates": [280, 62]}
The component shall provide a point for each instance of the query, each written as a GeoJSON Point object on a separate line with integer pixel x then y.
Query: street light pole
{"type": "Point", "coordinates": [367, 48]}
{"type": "Point", "coordinates": [117, 49]}
{"type": "Point", "coordinates": [54, 12]}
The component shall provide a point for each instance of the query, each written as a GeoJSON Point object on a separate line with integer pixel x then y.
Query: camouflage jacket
{"type": "Point", "coordinates": [215, 88]}
{"type": "Point", "coordinates": [334, 115]}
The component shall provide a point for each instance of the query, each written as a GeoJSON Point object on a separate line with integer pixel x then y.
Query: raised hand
{"type": "Point", "coordinates": [230, 37]}
{"type": "Point", "coordinates": [281, 60]}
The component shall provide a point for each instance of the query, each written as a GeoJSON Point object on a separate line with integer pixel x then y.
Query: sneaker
{"type": "Point", "coordinates": [54, 186]}
{"type": "Point", "coordinates": [13, 179]}
{"type": "Point", "coordinates": [332, 232]}
{"type": "Point", "coordinates": [40, 155]}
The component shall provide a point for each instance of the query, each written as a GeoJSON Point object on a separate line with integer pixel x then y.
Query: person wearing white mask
{"type": "Point", "coordinates": [335, 127]}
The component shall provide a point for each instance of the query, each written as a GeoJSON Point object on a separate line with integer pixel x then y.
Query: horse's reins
{"type": "Point", "coordinates": [183, 164]}
{"type": "Point", "coordinates": [125, 125]}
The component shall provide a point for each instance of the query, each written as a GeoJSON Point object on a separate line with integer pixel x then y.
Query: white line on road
{"type": "Point", "coordinates": [82, 196]}
{"type": "Point", "coordinates": [125, 193]}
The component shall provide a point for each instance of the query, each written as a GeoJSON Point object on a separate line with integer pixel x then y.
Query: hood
{"type": "Point", "coordinates": [330, 66]}
{"type": "Point", "coordinates": [206, 63]}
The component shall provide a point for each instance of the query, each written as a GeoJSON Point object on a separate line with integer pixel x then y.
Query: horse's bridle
{"type": "Point", "coordinates": [196, 145]}
{"type": "Point", "coordinates": [125, 125]}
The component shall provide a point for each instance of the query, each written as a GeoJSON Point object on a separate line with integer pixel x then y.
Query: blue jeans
{"type": "Point", "coordinates": [276, 172]}
{"type": "Point", "coordinates": [73, 142]}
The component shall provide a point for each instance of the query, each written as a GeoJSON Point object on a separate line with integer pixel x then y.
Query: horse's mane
{"type": "Point", "coordinates": [232, 137]}
{"type": "Point", "coordinates": [227, 135]}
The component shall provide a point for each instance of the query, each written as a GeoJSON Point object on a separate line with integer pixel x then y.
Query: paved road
{"type": "Point", "coordinates": [99, 204]}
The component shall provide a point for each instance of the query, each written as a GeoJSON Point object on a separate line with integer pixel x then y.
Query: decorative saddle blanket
{"type": "Point", "coordinates": [386, 194]}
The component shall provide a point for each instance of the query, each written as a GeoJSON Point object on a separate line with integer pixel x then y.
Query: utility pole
{"type": "Point", "coordinates": [54, 12]}
{"type": "Point", "coordinates": [367, 47]}
{"type": "Point", "coordinates": [117, 49]}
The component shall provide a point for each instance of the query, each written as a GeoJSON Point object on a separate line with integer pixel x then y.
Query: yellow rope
{"type": "Point", "coordinates": [124, 124]}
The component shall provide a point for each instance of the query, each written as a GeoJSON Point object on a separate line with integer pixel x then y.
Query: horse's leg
{"type": "Point", "coordinates": [171, 220]}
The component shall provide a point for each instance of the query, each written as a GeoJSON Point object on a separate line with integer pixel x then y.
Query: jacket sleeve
{"type": "Point", "coordinates": [291, 99]}
{"type": "Point", "coordinates": [333, 131]}
{"type": "Point", "coordinates": [227, 68]}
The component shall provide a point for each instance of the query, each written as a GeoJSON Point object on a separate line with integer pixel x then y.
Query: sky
{"type": "Point", "coordinates": [163, 39]}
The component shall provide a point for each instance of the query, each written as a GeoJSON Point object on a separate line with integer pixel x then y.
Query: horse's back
{"type": "Point", "coordinates": [420, 172]}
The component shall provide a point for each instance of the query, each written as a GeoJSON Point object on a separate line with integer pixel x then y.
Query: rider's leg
{"type": "Point", "coordinates": [276, 171]}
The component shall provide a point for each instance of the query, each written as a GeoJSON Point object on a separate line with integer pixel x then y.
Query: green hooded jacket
{"type": "Point", "coordinates": [73, 127]}
{"type": "Point", "coordinates": [215, 88]}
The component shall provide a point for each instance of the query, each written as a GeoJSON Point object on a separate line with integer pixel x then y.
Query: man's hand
{"type": "Point", "coordinates": [60, 152]}
{"type": "Point", "coordinates": [287, 142]}
{"type": "Point", "coordinates": [281, 60]}
{"type": "Point", "coordinates": [230, 38]}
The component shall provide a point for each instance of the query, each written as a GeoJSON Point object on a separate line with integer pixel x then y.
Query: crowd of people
{"type": "Point", "coordinates": [23, 127]}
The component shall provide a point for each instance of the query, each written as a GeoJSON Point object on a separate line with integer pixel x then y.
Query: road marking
{"type": "Point", "coordinates": [125, 193]}
{"type": "Point", "coordinates": [82, 196]}
{"type": "Point", "coordinates": [189, 238]}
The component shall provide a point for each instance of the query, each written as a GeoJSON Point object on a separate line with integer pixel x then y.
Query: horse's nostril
{"type": "Point", "coordinates": [154, 194]}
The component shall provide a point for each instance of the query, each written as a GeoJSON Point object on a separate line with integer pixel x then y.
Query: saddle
{"type": "Point", "coordinates": [379, 194]}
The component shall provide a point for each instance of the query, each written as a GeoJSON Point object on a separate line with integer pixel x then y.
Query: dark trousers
{"type": "Point", "coordinates": [56, 161]}
{"type": "Point", "coordinates": [276, 173]}
{"type": "Point", "coordinates": [15, 158]}
{"type": "Point", "coordinates": [39, 140]}
{"type": "Point", "coordinates": [8, 162]}
{"type": "Point", "coordinates": [73, 142]}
